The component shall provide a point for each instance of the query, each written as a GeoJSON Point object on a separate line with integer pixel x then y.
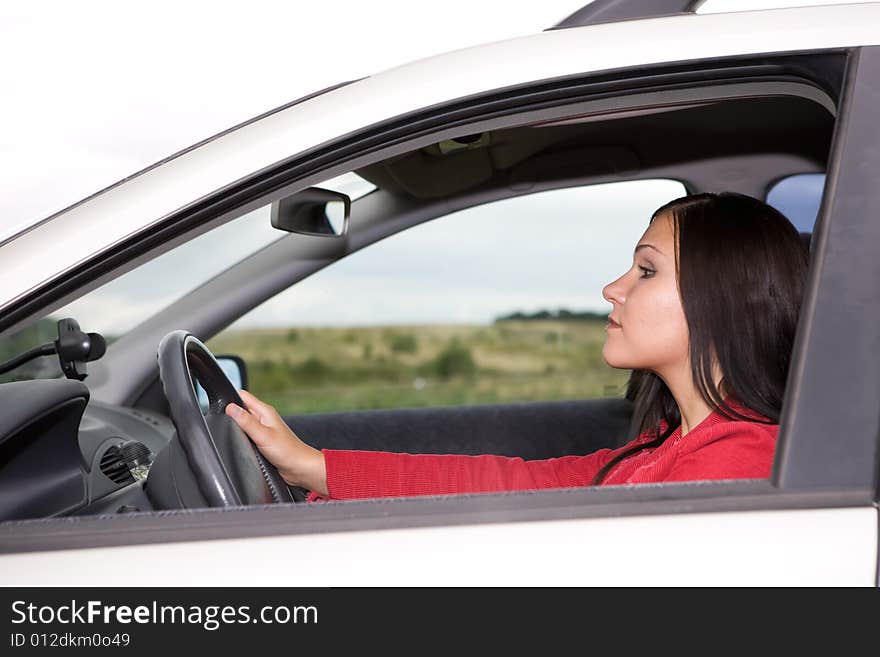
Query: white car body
{"type": "Point", "coordinates": [760, 548]}
{"type": "Point", "coordinates": [794, 546]}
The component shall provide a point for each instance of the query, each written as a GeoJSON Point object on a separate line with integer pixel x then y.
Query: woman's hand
{"type": "Point", "coordinates": [297, 463]}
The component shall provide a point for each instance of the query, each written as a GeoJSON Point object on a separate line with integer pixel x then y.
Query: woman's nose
{"type": "Point", "coordinates": [613, 292]}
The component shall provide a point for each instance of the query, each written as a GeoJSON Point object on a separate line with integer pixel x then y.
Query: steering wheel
{"type": "Point", "coordinates": [227, 466]}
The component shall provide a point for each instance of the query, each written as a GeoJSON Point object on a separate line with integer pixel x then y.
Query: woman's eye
{"type": "Point", "coordinates": [646, 273]}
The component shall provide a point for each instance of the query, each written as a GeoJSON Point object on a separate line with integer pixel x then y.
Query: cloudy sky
{"type": "Point", "coordinates": [96, 90]}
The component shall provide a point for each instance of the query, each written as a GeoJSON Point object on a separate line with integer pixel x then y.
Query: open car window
{"type": "Point", "coordinates": [498, 303]}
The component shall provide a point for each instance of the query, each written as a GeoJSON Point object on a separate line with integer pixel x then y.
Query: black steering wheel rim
{"type": "Point", "coordinates": [227, 466]}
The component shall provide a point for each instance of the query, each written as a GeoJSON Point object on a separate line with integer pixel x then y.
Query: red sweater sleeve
{"type": "Point", "coordinates": [353, 474]}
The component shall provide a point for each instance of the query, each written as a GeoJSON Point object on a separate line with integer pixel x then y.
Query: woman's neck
{"type": "Point", "coordinates": [691, 405]}
{"type": "Point", "coordinates": [693, 411]}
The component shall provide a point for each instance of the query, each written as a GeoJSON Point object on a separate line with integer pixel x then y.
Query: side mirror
{"type": "Point", "coordinates": [313, 211]}
{"type": "Point", "coordinates": [234, 369]}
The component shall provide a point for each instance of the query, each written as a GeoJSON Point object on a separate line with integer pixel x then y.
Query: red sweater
{"type": "Point", "coordinates": [717, 448]}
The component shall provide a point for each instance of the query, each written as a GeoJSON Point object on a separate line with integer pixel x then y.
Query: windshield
{"type": "Point", "coordinates": [123, 303]}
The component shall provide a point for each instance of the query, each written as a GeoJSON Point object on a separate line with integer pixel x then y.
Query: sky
{"type": "Point", "coordinates": [97, 90]}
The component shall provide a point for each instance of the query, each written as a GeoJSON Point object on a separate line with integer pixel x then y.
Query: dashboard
{"type": "Point", "coordinates": [64, 454]}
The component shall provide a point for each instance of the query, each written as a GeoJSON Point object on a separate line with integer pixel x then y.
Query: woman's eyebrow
{"type": "Point", "coordinates": [647, 246]}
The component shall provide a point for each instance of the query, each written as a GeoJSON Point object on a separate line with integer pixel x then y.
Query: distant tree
{"type": "Point", "coordinates": [455, 360]}
{"type": "Point", "coordinates": [404, 343]}
{"type": "Point", "coordinates": [312, 369]}
{"type": "Point", "coordinates": [562, 314]}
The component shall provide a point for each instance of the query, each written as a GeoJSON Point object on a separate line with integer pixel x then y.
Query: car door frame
{"type": "Point", "coordinates": [833, 391]}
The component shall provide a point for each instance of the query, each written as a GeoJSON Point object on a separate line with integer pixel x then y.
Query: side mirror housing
{"type": "Point", "coordinates": [234, 369]}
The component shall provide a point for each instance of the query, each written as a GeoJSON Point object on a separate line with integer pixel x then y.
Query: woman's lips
{"type": "Point", "coordinates": [611, 324]}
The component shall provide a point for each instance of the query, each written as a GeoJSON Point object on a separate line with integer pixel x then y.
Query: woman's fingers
{"type": "Point", "coordinates": [265, 412]}
{"type": "Point", "coordinates": [250, 424]}
{"type": "Point", "coordinates": [297, 463]}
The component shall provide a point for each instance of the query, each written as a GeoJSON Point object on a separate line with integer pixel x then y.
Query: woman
{"type": "Point", "coordinates": [705, 318]}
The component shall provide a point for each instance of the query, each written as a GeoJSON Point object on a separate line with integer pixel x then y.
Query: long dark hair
{"type": "Point", "coordinates": [741, 269]}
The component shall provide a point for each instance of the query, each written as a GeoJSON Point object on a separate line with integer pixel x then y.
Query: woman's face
{"type": "Point", "coordinates": [647, 328]}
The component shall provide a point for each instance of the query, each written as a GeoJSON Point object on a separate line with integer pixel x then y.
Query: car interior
{"type": "Point", "coordinates": [110, 444]}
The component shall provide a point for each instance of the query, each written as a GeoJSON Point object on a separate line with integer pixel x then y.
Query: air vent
{"type": "Point", "coordinates": [113, 465]}
{"type": "Point", "coordinates": [137, 457]}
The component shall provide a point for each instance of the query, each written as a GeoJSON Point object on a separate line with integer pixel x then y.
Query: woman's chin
{"type": "Point", "coordinates": [616, 360]}
{"type": "Point", "coordinates": [609, 357]}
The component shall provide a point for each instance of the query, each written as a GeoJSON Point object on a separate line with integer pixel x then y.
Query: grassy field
{"type": "Point", "coordinates": [307, 370]}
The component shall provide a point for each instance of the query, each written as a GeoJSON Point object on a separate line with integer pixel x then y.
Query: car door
{"type": "Point", "coordinates": [815, 521]}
